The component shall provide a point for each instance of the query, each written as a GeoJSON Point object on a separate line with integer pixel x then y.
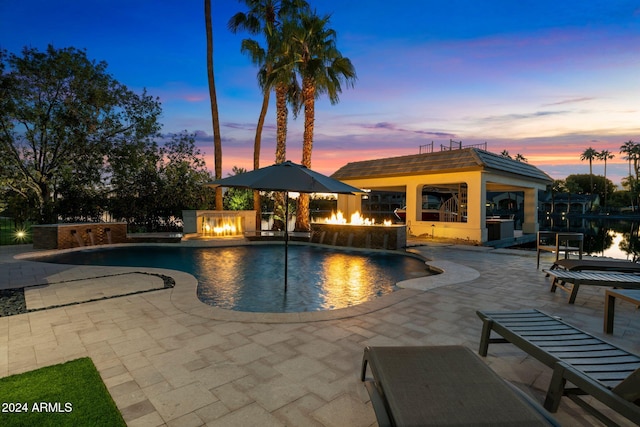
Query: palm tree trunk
{"type": "Point", "coordinates": [217, 141]}
{"type": "Point", "coordinates": [605, 182]}
{"type": "Point", "coordinates": [257, 206]}
{"type": "Point", "coordinates": [308, 94]}
{"type": "Point", "coordinates": [282, 113]}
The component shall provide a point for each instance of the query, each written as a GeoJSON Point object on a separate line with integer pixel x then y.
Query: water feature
{"type": "Point", "coordinates": [92, 241]}
{"type": "Point", "coordinates": [249, 278]}
{"type": "Point", "coordinates": [77, 237]}
{"type": "Point", "coordinates": [605, 237]}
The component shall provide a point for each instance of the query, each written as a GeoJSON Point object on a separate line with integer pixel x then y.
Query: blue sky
{"type": "Point", "coordinates": [545, 79]}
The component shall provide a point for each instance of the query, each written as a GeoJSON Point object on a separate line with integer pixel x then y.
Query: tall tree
{"type": "Point", "coordinates": [632, 154]}
{"type": "Point", "coordinates": [266, 18]}
{"type": "Point", "coordinates": [589, 154]}
{"type": "Point", "coordinates": [323, 70]}
{"type": "Point", "coordinates": [61, 114]}
{"type": "Point", "coordinates": [217, 140]}
{"type": "Point", "coordinates": [184, 173]}
{"type": "Point", "coordinates": [605, 155]}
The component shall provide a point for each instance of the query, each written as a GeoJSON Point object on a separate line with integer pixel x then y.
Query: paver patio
{"type": "Point", "coordinates": [168, 359]}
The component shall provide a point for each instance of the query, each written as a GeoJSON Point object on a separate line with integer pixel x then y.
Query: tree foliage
{"type": "Point", "coordinates": [583, 182]}
{"type": "Point", "coordinates": [238, 199]}
{"type": "Point", "coordinates": [61, 115]}
{"type": "Point", "coordinates": [77, 144]}
{"type": "Point", "coordinates": [152, 184]}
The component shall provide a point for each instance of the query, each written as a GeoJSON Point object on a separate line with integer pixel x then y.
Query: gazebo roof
{"type": "Point", "coordinates": [438, 162]}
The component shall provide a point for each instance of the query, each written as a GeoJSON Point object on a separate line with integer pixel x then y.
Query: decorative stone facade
{"type": "Point", "coordinates": [360, 236]}
{"type": "Point", "coordinates": [66, 236]}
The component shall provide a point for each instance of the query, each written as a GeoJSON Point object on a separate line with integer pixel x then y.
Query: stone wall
{"type": "Point", "coordinates": [66, 236]}
{"type": "Point", "coordinates": [360, 236]}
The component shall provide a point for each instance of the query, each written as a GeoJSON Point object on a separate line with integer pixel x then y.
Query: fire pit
{"type": "Point", "coordinates": [218, 223]}
{"type": "Point", "coordinates": [358, 233]}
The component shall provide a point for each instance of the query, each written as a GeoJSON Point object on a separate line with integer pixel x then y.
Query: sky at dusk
{"type": "Point", "coordinates": [545, 79]}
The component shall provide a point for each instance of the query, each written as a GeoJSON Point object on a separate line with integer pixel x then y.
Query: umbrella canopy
{"type": "Point", "coordinates": [286, 176]}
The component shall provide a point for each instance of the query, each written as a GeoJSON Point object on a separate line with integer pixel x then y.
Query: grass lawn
{"type": "Point", "coordinates": [69, 394]}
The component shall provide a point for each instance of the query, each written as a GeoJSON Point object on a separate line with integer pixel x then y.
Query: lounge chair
{"type": "Point", "coordinates": [570, 281]}
{"type": "Point", "coordinates": [443, 385]}
{"type": "Point", "coordinates": [596, 265]}
{"type": "Point", "coordinates": [594, 367]}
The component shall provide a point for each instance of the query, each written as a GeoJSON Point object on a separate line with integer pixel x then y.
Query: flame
{"type": "Point", "coordinates": [225, 229]}
{"type": "Point", "coordinates": [356, 219]}
{"type": "Point", "coordinates": [222, 226]}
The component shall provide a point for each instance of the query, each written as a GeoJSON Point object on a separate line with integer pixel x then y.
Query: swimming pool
{"type": "Point", "coordinates": [250, 278]}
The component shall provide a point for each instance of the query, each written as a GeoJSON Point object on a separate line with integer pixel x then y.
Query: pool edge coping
{"type": "Point", "coordinates": [184, 294]}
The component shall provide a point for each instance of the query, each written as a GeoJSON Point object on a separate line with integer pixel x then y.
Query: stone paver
{"type": "Point", "coordinates": [167, 359]}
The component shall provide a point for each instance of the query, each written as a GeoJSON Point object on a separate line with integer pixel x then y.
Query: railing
{"type": "Point", "coordinates": [449, 210]}
{"type": "Point", "coordinates": [457, 145]}
{"type": "Point", "coordinates": [453, 145]}
{"type": "Point", "coordinates": [428, 148]}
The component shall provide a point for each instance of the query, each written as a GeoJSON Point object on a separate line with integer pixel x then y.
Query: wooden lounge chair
{"type": "Point", "coordinates": [562, 242]}
{"type": "Point", "coordinates": [570, 281]}
{"type": "Point", "coordinates": [443, 385]}
{"type": "Point", "coordinates": [596, 265]}
{"type": "Point", "coordinates": [594, 367]}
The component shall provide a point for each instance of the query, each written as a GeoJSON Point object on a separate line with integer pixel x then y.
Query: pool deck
{"type": "Point", "coordinates": [168, 359]}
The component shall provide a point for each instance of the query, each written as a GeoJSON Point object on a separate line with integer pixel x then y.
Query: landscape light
{"type": "Point", "coordinates": [20, 235]}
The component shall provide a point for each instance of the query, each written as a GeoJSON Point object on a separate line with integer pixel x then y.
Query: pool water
{"type": "Point", "coordinates": [251, 278]}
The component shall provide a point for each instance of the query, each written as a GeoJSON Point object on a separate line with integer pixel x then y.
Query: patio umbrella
{"type": "Point", "coordinates": [286, 176]}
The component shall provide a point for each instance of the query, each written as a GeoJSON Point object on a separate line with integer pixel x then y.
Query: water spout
{"type": "Point", "coordinates": [107, 231]}
{"type": "Point", "coordinates": [77, 237]}
{"type": "Point", "coordinates": [91, 240]}
{"type": "Point", "coordinates": [335, 238]}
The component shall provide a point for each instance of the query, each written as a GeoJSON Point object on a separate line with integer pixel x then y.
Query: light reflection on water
{"type": "Point", "coordinates": [612, 238]}
{"type": "Point", "coordinates": [318, 278]}
{"type": "Point", "coordinates": [251, 278]}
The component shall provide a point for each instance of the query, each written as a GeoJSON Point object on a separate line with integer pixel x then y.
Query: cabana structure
{"type": "Point", "coordinates": [446, 191]}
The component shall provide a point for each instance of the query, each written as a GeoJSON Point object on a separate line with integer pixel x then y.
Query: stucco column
{"type": "Point", "coordinates": [530, 224]}
{"type": "Point", "coordinates": [349, 204]}
{"type": "Point", "coordinates": [413, 194]}
{"type": "Point", "coordinates": [476, 209]}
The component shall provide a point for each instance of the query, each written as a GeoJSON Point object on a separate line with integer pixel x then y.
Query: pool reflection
{"type": "Point", "coordinates": [251, 278]}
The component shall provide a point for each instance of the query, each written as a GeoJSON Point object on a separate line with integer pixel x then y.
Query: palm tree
{"type": "Point", "coordinates": [217, 141]}
{"type": "Point", "coordinates": [266, 17]}
{"type": "Point", "coordinates": [630, 148]}
{"type": "Point", "coordinates": [589, 154]}
{"type": "Point", "coordinates": [520, 158]}
{"type": "Point", "coordinates": [323, 70]}
{"type": "Point", "coordinates": [605, 155]}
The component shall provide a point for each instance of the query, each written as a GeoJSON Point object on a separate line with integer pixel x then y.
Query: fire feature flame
{"type": "Point", "coordinates": [356, 219]}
